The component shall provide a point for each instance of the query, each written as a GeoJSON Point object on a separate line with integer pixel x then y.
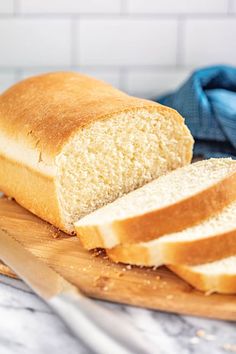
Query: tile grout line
{"type": "Point", "coordinates": [133, 67]}
{"type": "Point", "coordinates": [230, 7]}
{"type": "Point", "coordinates": [123, 7]}
{"type": "Point", "coordinates": [16, 8]}
{"type": "Point", "coordinates": [126, 15]}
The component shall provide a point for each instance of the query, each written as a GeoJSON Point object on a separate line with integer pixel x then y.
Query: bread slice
{"type": "Point", "coordinates": [219, 276]}
{"type": "Point", "coordinates": [210, 240]}
{"type": "Point", "coordinates": [70, 144]}
{"type": "Point", "coordinates": [169, 204]}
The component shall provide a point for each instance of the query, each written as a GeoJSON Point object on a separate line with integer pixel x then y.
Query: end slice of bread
{"type": "Point", "coordinates": [168, 204]}
{"type": "Point", "coordinates": [219, 276]}
{"type": "Point", "coordinates": [210, 240]}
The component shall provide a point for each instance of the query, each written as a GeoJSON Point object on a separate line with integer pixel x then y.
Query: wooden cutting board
{"type": "Point", "coordinates": [98, 277]}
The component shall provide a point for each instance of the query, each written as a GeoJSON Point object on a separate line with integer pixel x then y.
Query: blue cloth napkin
{"type": "Point", "coordinates": [207, 101]}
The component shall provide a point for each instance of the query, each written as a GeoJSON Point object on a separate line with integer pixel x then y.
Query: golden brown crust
{"type": "Point", "coordinates": [131, 254]}
{"type": "Point", "coordinates": [16, 180]}
{"type": "Point", "coordinates": [221, 283]}
{"type": "Point", "coordinates": [47, 109]}
{"type": "Point", "coordinates": [173, 218]}
{"type": "Point", "coordinates": [190, 252]}
{"type": "Point", "coordinates": [204, 250]}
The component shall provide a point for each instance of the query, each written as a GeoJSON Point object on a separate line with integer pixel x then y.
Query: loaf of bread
{"type": "Point", "coordinates": [70, 144]}
{"type": "Point", "coordinates": [218, 276]}
{"type": "Point", "coordinates": [168, 204]}
{"type": "Point", "coordinates": [208, 241]}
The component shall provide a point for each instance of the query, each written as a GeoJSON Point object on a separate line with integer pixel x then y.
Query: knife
{"type": "Point", "coordinates": [99, 328]}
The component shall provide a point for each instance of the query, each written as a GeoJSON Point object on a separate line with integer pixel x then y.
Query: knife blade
{"type": "Point", "coordinates": [99, 328]}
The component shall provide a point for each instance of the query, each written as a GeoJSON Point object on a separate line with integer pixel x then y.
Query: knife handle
{"type": "Point", "coordinates": [99, 328]}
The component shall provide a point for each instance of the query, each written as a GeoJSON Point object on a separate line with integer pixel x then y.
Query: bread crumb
{"type": "Point", "coordinates": [169, 297]}
{"type": "Point", "coordinates": [194, 340]}
{"type": "Point", "coordinates": [209, 292]}
{"type": "Point", "coordinates": [120, 274]}
{"type": "Point", "coordinates": [97, 252]}
{"type": "Point", "coordinates": [129, 267]}
{"type": "Point", "coordinates": [201, 333]}
{"type": "Point", "coordinates": [230, 347]}
{"type": "Point", "coordinates": [10, 198]}
{"type": "Point", "coordinates": [210, 337]}
{"type": "Point", "coordinates": [54, 232]}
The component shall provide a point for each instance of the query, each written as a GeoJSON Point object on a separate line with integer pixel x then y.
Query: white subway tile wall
{"type": "Point", "coordinates": [69, 6]}
{"type": "Point", "coordinates": [6, 6]}
{"type": "Point", "coordinates": [112, 76]}
{"type": "Point", "coordinates": [204, 45]}
{"type": "Point", "coordinates": [178, 7]}
{"type": "Point", "coordinates": [147, 82]}
{"type": "Point", "coordinates": [126, 42]}
{"type": "Point", "coordinates": [145, 47]}
{"type": "Point", "coordinates": [27, 42]}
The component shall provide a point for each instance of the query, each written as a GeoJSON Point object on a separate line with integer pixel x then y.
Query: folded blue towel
{"type": "Point", "coordinates": [207, 101]}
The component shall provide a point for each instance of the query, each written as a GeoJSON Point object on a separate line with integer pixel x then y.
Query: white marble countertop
{"type": "Point", "coordinates": [28, 326]}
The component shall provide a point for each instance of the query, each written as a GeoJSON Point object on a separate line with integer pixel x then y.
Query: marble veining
{"type": "Point", "coordinates": [28, 326]}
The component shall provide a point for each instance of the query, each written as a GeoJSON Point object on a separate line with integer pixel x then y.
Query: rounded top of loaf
{"type": "Point", "coordinates": [46, 110]}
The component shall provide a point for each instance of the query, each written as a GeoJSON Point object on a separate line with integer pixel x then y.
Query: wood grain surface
{"type": "Point", "coordinates": [94, 274]}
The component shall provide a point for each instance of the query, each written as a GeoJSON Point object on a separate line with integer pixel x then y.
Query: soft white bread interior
{"type": "Point", "coordinates": [168, 204]}
{"type": "Point", "coordinates": [70, 144]}
{"type": "Point", "coordinates": [210, 240]}
{"type": "Point", "coordinates": [113, 157]}
{"type": "Point", "coordinates": [219, 276]}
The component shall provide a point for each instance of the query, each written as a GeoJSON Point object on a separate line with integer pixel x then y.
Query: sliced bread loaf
{"type": "Point", "coordinates": [169, 204]}
{"type": "Point", "coordinates": [210, 240]}
{"type": "Point", "coordinates": [219, 276]}
{"type": "Point", "coordinates": [70, 144]}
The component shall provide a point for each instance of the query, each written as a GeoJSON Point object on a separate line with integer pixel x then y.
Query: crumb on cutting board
{"type": "Point", "coordinates": [230, 347]}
